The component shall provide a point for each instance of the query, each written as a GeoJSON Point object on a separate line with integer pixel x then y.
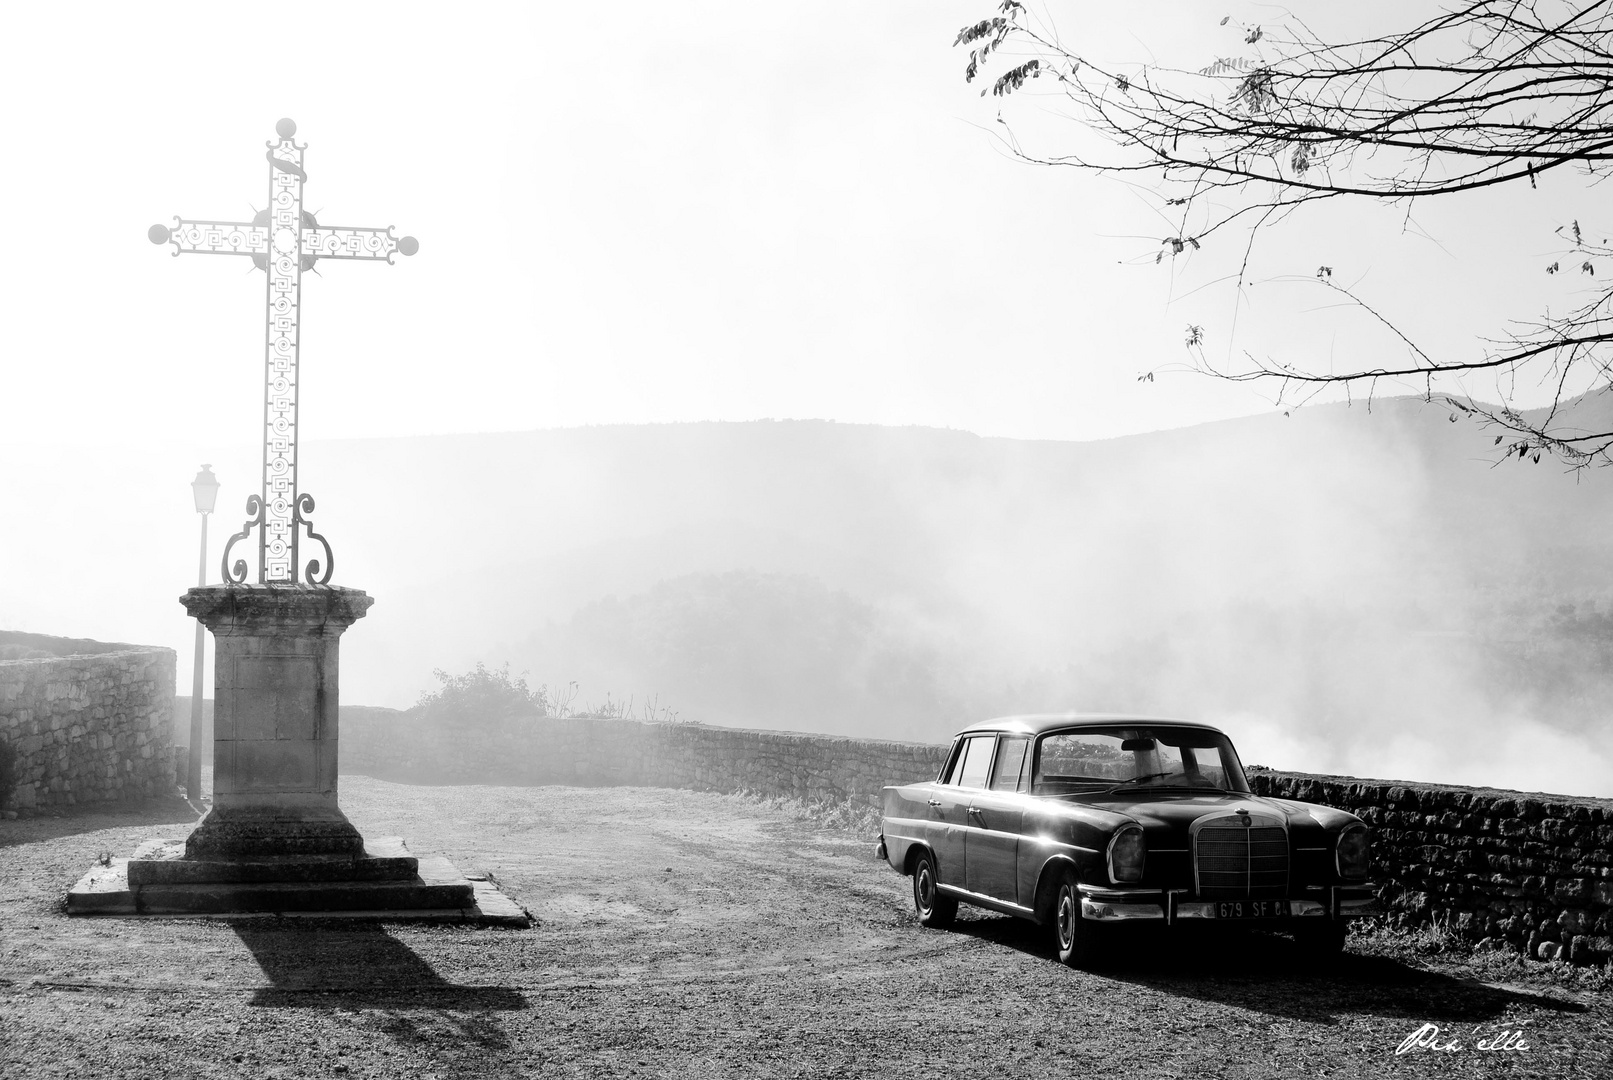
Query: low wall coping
{"type": "Point", "coordinates": [1424, 785]}
{"type": "Point", "coordinates": [61, 648]}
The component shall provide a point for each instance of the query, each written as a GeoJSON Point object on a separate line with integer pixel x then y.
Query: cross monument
{"type": "Point", "coordinates": [275, 839]}
{"type": "Point", "coordinates": [284, 241]}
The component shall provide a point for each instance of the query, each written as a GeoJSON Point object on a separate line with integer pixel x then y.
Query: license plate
{"type": "Point", "coordinates": [1252, 909]}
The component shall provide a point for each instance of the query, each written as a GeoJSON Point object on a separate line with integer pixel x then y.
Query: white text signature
{"type": "Point", "coordinates": [1432, 1037]}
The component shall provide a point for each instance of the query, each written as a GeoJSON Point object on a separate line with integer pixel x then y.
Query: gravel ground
{"type": "Point", "coordinates": [688, 934]}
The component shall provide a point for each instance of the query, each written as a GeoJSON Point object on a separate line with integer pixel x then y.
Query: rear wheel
{"type": "Point", "coordinates": [1075, 939]}
{"type": "Point", "coordinates": [931, 907]}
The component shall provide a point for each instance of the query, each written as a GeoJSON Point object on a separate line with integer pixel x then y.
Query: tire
{"type": "Point", "coordinates": [932, 908]}
{"type": "Point", "coordinates": [1321, 942]}
{"type": "Point", "coordinates": [1074, 939]}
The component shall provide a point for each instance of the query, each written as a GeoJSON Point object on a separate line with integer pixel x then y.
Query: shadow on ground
{"type": "Point", "coordinates": [341, 964]}
{"type": "Point", "coordinates": [1266, 972]}
{"type": "Point", "coordinates": [73, 820]}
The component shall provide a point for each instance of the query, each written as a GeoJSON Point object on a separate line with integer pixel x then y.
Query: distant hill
{"type": "Point", "coordinates": [1326, 579]}
{"type": "Point", "coordinates": [1349, 589]}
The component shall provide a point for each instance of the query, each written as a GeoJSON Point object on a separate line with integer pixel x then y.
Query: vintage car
{"type": "Point", "coordinates": [1079, 822]}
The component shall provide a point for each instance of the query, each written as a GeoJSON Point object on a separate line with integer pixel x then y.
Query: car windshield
{"type": "Point", "coordinates": [1140, 757]}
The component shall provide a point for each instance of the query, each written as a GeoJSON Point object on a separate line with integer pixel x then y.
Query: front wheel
{"type": "Point", "coordinates": [932, 908]}
{"type": "Point", "coordinates": [1075, 939]}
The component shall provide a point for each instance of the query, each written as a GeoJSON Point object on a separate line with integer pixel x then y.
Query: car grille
{"type": "Point", "coordinates": [1232, 860]}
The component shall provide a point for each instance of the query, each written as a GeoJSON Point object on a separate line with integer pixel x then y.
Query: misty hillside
{"type": "Point", "coordinates": [1037, 542]}
{"type": "Point", "coordinates": [1306, 578]}
{"type": "Point", "coordinates": [1345, 589]}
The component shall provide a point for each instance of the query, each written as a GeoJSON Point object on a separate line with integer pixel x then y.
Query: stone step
{"type": "Point", "coordinates": [435, 885]}
{"type": "Point", "coordinates": [163, 862]}
{"type": "Point", "coordinates": [435, 892]}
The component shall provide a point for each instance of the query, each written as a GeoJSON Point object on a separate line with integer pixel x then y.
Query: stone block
{"type": "Point", "coordinates": [1588, 949]}
{"type": "Point", "coordinates": [271, 766]}
{"type": "Point", "coordinates": [275, 697]}
{"type": "Point", "coordinates": [1571, 891]}
{"type": "Point", "coordinates": [1573, 921]}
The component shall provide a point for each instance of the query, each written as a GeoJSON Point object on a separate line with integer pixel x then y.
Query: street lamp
{"type": "Point", "coordinates": [205, 489]}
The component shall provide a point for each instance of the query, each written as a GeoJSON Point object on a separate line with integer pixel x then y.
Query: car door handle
{"type": "Point", "coordinates": [935, 802]}
{"type": "Point", "coordinates": [976, 811]}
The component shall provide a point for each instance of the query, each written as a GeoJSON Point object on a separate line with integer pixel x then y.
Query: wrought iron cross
{"type": "Point", "coordinates": [284, 241]}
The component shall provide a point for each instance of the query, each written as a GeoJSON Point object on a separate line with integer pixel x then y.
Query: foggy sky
{"type": "Point", "coordinates": [655, 214]}
{"type": "Point", "coordinates": [664, 212]}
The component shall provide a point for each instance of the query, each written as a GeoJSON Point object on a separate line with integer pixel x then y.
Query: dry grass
{"type": "Point", "coordinates": [1438, 947]}
{"type": "Point", "coordinates": [838, 815]}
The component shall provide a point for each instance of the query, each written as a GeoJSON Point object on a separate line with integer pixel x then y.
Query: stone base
{"type": "Point", "coordinates": [257, 833]}
{"type": "Point", "coordinates": [166, 862]}
{"type": "Point", "coordinates": [160, 882]}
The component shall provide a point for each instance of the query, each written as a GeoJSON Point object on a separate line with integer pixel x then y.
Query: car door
{"type": "Point", "coordinates": [995, 817]}
{"type": "Point", "coordinates": [971, 768]}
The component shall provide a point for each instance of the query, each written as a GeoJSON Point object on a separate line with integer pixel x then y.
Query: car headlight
{"type": "Point", "coordinates": [1126, 853]}
{"type": "Point", "coordinates": [1354, 852]}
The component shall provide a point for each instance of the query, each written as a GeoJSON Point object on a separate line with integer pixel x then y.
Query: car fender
{"type": "Point", "coordinates": [1077, 834]}
{"type": "Point", "coordinates": [902, 827]}
{"type": "Point", "coordinates": [900, 850]}
{"type": "Point", "coordinates": [1047, 873]}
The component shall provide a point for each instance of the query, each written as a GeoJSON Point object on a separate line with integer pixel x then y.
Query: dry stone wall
{"type": "Point", "coordinates": [1532, 871]}
{"type": "Point", "coordinates": [87, 721]}
{"type": "Point", "coordinates": [591, 752]}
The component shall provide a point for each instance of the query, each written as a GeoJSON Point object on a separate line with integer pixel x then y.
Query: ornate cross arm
{"type": "Point", "coordinates": [354, 242]}
{"type": "Point", "coordinates": [318, 241]}
{"type": "Point", "coordinates": [212, 237]}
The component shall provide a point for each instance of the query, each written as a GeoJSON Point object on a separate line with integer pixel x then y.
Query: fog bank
{"type": "Point", "coordinates": [1344, 590]}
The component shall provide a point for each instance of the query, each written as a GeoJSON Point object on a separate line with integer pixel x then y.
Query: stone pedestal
{"type": "Point", "coordinates": [275, 720]}
{"type": "Point", "coordinates": [275, 839]}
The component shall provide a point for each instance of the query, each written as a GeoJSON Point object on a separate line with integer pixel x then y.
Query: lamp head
{"type": "Point", "coordinates": [205, 488]}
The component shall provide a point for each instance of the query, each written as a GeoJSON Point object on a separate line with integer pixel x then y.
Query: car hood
{"type": "Point", "coordinates": [1177, 811]}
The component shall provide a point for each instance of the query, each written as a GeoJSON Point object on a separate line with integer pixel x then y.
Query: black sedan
{"type": "Point", "coordinates": [1075, 822]}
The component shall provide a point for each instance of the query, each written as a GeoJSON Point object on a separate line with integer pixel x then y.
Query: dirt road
{"type": "Point", "coordinates": [684, 934]}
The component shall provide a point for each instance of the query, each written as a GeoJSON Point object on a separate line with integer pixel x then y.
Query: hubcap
{"type": "Point", "coordinates": [926, 888]}
{"type": "Point", "coordinates": [1066, 918]}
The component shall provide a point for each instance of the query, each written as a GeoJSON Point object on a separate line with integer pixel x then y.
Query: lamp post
{"type": "Point", "coordinates": [205, 489]}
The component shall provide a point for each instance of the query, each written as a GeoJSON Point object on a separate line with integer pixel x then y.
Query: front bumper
{"type": "Point", "coordinates": [1170, 905]}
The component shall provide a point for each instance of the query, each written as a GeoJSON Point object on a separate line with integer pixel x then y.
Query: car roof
{"type": "Point", "coordinates": [1039, 723]}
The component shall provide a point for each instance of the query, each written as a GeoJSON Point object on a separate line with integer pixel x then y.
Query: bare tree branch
{"type": "Point", "coordinates": [1488, 94]}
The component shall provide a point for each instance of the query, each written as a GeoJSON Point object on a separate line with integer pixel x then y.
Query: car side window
{"type": "Point", "coordinates": [974, 763]}
{"type": "Point", "coordinates": [1009, 773]}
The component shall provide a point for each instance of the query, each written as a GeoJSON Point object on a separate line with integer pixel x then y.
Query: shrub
{"type": "Point", "coordinates": [481, 698]}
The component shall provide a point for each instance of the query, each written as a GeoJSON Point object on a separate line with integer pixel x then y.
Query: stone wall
{"type": "Point", "coordinates": [591, 752]}
{"type": "Point", "coordinates": [1532, 871]}
{"type": "Point", "coordinates": [87, 720]}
